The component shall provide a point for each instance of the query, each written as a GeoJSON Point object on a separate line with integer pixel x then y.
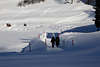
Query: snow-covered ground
{"type": "Point", "coordinates": [73, 21]}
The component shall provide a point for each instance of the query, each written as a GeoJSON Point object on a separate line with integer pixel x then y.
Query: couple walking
{"type": "Point", "coordinates": [55, 41]}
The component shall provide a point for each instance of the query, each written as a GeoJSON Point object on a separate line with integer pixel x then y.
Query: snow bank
{"type": "Point", "coordinates": [84, 44]}
{"type": "Point", "coordinates": [37, 47]}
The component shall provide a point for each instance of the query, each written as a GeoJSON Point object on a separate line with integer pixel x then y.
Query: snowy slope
{"type": "Point", "coordinates": [73, 21]}
{"type": "Point", "coordinates": [47, 16]}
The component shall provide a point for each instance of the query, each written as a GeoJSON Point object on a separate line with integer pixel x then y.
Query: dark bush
{"type": "Point", "coordinates": [25, 24]}
{"type": "Point", "coordinates": [27, 2]}
{"type": "Point", "coordinates": [8, 25]}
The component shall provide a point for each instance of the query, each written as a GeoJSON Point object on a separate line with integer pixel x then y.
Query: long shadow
{"type": "Point", "coordinates": [9, 53]}
{"type": "Point", "coordinates": [90, 13]}
{"type": "Point", "coordinates": [83, 29]}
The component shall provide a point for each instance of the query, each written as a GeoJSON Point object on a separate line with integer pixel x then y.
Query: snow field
{"type": "Point", "coordinates": [47, 16]}
{"type": "Point", "coordinates": [74, 21]}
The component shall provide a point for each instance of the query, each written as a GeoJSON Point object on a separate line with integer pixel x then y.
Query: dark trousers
{"type": "Point", "coordinates": [52, 45]}
{"type": "Point", "coordinates": [57, 44]}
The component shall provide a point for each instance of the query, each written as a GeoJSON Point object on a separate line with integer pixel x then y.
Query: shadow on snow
{"type": "Point", "coordinates": [83, 29]}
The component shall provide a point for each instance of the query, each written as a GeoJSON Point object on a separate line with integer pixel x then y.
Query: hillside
{"type": "Point", "coordinates": [73, 21]}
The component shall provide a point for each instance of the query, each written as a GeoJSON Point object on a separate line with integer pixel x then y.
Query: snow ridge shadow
{"type": "Point", "coordinates": [82, 29]}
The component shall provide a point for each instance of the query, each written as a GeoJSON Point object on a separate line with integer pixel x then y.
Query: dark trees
{"type": "Point", "coordinates": [27, 2]}
{"type": "Point", "coordinates": [97, 16]}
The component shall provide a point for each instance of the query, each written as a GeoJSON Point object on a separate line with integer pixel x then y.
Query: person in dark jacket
{"type": "Point", "coordinates": [57, 41]}
{"type": "Point", "coordinates": [53, 41]}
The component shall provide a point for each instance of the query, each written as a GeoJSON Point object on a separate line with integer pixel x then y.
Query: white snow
{"type": "Point", "coordinates": [74, 21]}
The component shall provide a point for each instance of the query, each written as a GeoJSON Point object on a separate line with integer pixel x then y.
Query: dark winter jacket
{"type": "Point", "coordinates": [52, 40]}
{"type": "Point", "coordinates": [57, 40]}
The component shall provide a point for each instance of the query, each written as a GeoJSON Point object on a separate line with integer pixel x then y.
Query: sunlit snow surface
{"type": "Point", "coordinates": [73, 21]}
